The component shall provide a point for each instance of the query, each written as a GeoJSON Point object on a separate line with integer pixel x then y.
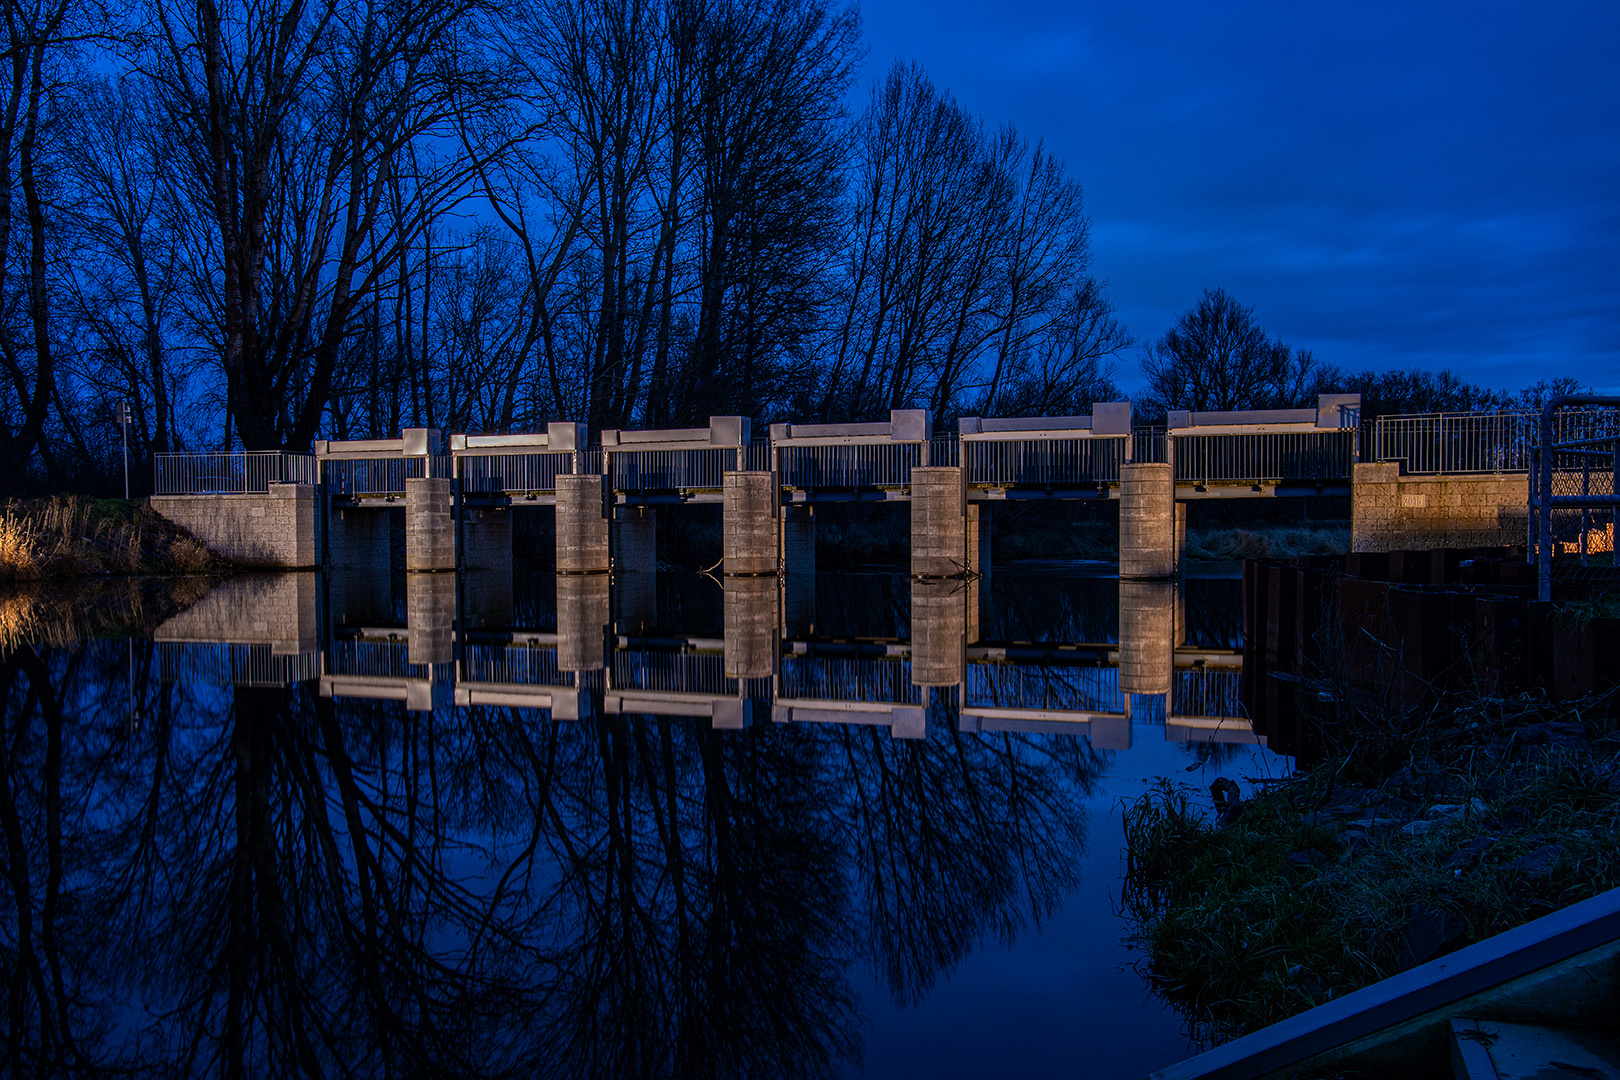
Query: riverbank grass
{"type": "Point", "coordinates": [1501, 812]}
{"type": "Point", "coordinates": [68, 536]}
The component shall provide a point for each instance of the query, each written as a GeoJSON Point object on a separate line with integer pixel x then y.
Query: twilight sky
{"type": "Point", "coordinates": [1387, 184]}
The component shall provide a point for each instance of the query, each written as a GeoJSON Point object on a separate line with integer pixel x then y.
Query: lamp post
{"type": "Point", "coordinates": [123, 427]}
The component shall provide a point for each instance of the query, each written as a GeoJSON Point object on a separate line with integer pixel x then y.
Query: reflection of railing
{"type": "Point", "coordinates": [356, 477]}
{"type": "Point", "coordinates": [1047, 462]}
{"type": "Point", "coordinates": [686, 673]}
{"type": "Point", "coordinates": [236, 473]}
{"type": "Point", "coordinates": [1253, 458]}
{"type": "Point", "coordinates": [528, 665]}
{"type": "Point", "coordinates": [373, 660]}
{"type": "Point", "coordinates": [1079, 689]}
{"type": "Point", "coordinates": [839, 678]}
{"type": "Point", "coordinates": [514, 474]}
{"type": "Point", "coordinates": [228, 664]}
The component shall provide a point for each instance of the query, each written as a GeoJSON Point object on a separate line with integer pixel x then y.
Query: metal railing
{"type": "Point", "coordinates": [1040, 686]}
{"type": "Point", "coordinates": [1254, 458]}
{"type": "Point", "coordinates": [514, 474]}
{"type": "Point", "coordinates": [758, 456]}
{"type": "Point", "coordinates": [1575, 487]}
{"type": "Point", "coordinates": [232, 473]}
{"type": "Point", "coordinates": [859, 465]}
{"type": "Point", "coordinates": [672, 470]}
{"type": "Point", "coordinates": [1150, 444]}
{"type": "Point", "coordinates": [380, 477]}
{"type": "Point", "coordinates": [1042, 463]}
{"type": "Point", "coordinates": [1440, 443]}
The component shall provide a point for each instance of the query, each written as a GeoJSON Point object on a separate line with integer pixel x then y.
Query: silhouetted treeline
{"type": "Point", "coordinates": [265, 223]}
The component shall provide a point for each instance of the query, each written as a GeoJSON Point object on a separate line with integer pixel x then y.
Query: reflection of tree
{"type": "Point", "coordinates": [289, 885]}
{"type": "Point", "coordinates": [956, 838]}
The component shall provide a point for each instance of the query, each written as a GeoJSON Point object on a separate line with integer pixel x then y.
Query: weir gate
{"type": "Point", "coordinates": [294, 510]}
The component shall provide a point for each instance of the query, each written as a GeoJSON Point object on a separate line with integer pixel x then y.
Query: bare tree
{"type": "Point", "coordinates": [294, 122]}
{"type": "Point", "coordinates": [1216, 358]}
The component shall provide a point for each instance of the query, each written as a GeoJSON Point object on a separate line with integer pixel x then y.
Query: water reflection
{"type": "Point", "coordinates": [323, 825]}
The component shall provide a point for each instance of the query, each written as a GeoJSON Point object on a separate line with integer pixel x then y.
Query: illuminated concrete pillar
{"type": "Point", "coordinates": [1181, 536]}
{"type": "Point", "coordinates": [978, 538]}
{"type": "Point", "coordinates": [430, 613]}
{"type": "Point", "coordinates": [430, 538]}
{"type": "Point", "coordinates": [748, 524]}
{"type": "Point", "coordinates": [582, 526]}
{"type": "Point", "coordinates": [938, 522]}
{"type": "Point", "coordinates": [1147, 520]}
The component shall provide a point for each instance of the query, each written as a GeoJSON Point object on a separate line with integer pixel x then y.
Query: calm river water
{"type": "Point", "coordinates": [668, 825]}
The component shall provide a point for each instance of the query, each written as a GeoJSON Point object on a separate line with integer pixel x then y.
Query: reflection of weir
{"type": "Point", "coordinates": [250, 630]}
{"type": "Point", "coordinates": [383, 669]}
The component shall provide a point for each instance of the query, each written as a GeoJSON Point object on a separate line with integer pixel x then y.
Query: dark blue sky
{"type": "Point", "coordinates": [1387, 184]}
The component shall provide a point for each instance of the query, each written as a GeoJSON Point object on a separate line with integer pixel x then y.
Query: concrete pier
{"type": "Point", "coordinates": [1147, 520]}
{"type": "Point", "coordinates": [582, 525]}
{"type": "Point", "coordinates": [430, 539]}
{"type": "Point", "coordinates": [749, 523]}
{"type": "Point", "coordinates": [938, 522]}
{"type": "Point", "coordinates": [430, 618]}
{"type": "Point", "coordinates": [750, 627]}
{"type": "Point", "coordinates": [1147, 630]}
{"type": "Point", "coordinates": [938, 626]}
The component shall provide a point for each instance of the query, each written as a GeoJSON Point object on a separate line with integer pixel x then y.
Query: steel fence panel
{"type": "Point", "coordinates": [238, 472]}
{"type": "Point", "coordinates": [514, 474]}
{"type": "Point", "coordinates": [1266, 456]}
{"type": "Point", "coordinates": [1042, 462]}
{"type": "Point", "coordinates": [672, 470]}
{"type": "Point", "coordinates": [1456, 443]}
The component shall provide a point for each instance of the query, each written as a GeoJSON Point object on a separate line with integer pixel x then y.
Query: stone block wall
{"type": "Point", "coordinates": [273, 529]}
{"type": "Point", "coordinates": [1391, 512]}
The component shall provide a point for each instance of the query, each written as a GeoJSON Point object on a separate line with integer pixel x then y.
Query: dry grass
{"type": "Point", "coordinates": [69, 536]}
{"type": "Point", "coordinates": [1267, 542]}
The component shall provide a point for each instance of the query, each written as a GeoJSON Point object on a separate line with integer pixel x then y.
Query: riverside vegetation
{"type": "Point", "coordinates": [67, 536]}
{"type": "Point", "coordinates": [1415, 836]}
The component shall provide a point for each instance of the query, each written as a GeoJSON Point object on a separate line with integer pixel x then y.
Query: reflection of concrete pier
{"type": "Point", "coordinates": [751, 635]}
{"type": "Point", "coordinates": [430, 617]}
{"type": "Point", "coordinates": [938, 626]}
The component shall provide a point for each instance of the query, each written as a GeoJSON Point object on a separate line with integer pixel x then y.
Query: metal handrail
{"type": "Point", "coordinates": [234, 472]}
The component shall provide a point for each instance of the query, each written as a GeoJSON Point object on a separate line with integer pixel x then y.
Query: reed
{"type": "Point", "coordinates": [68, 536]}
